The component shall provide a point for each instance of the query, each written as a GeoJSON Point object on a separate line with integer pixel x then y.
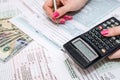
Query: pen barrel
{"type": "Point", "coordinates": [55, 4]}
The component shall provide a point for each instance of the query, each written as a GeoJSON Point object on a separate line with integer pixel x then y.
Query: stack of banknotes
{"type": "Point", "coordinates": [12, 39]}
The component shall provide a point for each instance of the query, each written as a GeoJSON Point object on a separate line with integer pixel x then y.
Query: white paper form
{"type": "Point", "coordinates": [42, 24]}
{"type": "Point", "coordinates": [8, 9]}
{"type": "Point", "coordinates": [33, 63]}
{"type": "Point", "coordinates": [95, 10]}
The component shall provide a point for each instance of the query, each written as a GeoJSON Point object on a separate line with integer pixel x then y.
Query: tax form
{"type": "Point", "coordinates": [8, 9]}
{"type": "Point", "coordinates": [36, 22]}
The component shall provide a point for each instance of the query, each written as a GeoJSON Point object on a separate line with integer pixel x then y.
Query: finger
{"type": "Point", "coordinates": [111, 31]}
{"type": "Point", "coordinates": [115, 55]}
{"type": "Point", "coordinates": [62, 10]}
{"type": "Point", "coordinates": [67, 17]}
{"type": "Point", "coordinates": [48, 7]}
{"type": "Point", "coordinates": [62, 21]}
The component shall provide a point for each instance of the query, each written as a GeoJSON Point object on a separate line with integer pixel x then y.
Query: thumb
{"type": "Point", "coordinates": [115, 55]}
{"type": "Point", "coordinates": [114, 31]}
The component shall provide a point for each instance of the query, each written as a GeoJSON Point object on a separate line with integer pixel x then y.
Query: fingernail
{"type": "Point", "coordinates": [66, 17]}
{"type": "Point", "coordinates": [62, 21]}
{"type": "Point", "coordinates": [55, 14]}
{"type": "Point", "coordinates": [104, 32]}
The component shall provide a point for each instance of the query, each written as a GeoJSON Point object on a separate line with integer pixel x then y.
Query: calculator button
{"type": "Point", "coordinates": [100, 36]}
{"type": "Point", "coordinates": [104, 24]}
{"type": "Point", "coordinates": [112, 25]}
{"type": "Point", "coordinates": [116, 23]}
{"type": "Point", "coordinates": [113, 38]}
{"type": "Point", "coordinates": [93, 30]}
{"type": "Point", "coordinates": [100, 27]}
{"type": "Point", "coordinates": [118, 41]}
{"type": "Point", "coordinates": [114, 43]}
{"type": "Point", "coordinates": [107, 47]}
{"type": "Point", "coordinates": [108, 22]}
{"type": "Point", "coordinates": [96, 33]}
{"type": "Point", "coordinates": [118, 37]}
{"type": "Point", "coordinates": [103, 50]}
{"type": "Point", "coordinates": [112, 20]}
{"type": "Point", "coordinates": [90, 38]}
{"type": "Point", "coordinates": [86, 35]}
{"type": "Point", "coordinates": [100, 46]}
{"type": "Point", "coordinates": [111, 45]}
{"type": "Point", "coordinates": [96, 43]}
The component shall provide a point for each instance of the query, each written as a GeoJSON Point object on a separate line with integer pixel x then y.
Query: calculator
{"type": "Point", "coordinates": [91, 47]}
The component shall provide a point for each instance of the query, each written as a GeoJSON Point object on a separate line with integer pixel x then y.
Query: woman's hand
{"type": "Point", "coordinates": [64, 6]}
{"type": "Point", "coordinates": [115, 31]}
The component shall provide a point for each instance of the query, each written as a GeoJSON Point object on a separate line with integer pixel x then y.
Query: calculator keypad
{"type": "Point", "coordinates": [104, 44]}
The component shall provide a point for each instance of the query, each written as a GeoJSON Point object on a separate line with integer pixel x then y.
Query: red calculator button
{"type": "Point", "coordinates": [100, 27]}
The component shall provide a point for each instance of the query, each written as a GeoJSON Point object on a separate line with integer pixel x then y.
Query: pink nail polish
{"type": "Point", "coordinates": [104, 32]}
{"type": "Point", "coordinates": [55, 14]}
{"type": "Point", "coordinates": [62, 21]}
{"type": "Point", "coordinates": [66, 17]}
{"type": "Point", "coordinates": [53, 18]}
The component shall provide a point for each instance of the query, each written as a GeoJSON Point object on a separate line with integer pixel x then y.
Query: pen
{"type": "Point", "coordinates": [55, 5]}
{"type": "Point", "coordinates": [55, 8]}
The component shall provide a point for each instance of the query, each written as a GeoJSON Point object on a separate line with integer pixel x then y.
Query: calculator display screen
{"type": "Point", "coordinates": [85, 49]}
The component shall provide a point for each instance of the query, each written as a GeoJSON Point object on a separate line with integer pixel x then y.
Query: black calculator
{"type": "Point", "coordinates": [91, 47]}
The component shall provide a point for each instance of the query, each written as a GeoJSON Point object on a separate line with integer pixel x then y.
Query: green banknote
{"type": "Point", "coordinates": [12, 39]}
